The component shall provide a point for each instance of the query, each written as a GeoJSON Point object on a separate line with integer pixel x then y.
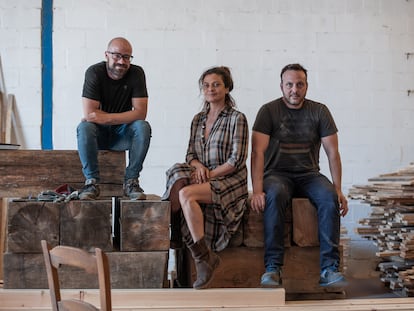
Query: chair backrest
{"type": "Point", "coordinates": [71, 256]}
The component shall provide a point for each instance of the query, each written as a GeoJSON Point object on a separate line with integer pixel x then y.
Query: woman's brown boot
{"type": "Point", "coordinates": [206, 262]}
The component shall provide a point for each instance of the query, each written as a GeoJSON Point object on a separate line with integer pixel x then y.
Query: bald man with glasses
{"type": "Point", "coordinates": [115, 101]}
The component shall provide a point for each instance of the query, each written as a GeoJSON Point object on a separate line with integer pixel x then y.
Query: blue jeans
{"type": "Point", "coordinates": [92, 137]}
{"type": "Point", "coordinates": [280, 188]}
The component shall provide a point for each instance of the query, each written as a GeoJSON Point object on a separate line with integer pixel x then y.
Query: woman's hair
{"type": "Point", "coordinates": [225, 74]}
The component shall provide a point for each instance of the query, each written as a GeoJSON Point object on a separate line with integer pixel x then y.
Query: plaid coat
{"type": "Point", "coordinates": [228, 142]}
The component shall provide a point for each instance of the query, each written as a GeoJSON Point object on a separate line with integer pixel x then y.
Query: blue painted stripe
{"type": "Point", "coordinates": [47, 74]}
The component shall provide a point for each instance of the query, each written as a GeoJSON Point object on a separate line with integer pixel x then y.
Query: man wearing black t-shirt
{"type": "Point", "coordinates": [115, 101]}
{"type": "Point", "coordinates": [287, 135]}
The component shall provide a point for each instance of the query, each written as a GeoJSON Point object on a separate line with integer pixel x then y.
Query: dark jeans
{"type": "Point", "coordinates": [92, 137]}
{"type": "Point", "coordinates": [280, 188]}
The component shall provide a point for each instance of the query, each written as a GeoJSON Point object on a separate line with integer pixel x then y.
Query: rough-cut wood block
{"type": "Point", "coordinates": [30, 222]}
{"type": "Point", "coordinates": [144, 225]}
{"type": "Point", "coordinates": [24, 271]}
{"type": "Point", "coordinates": [253, 230]}
{"type": "Point", "coordinates": [139, 269]}
{"type": "Point", "coordinates": [243, 267]}
{"type": "Point", "coordinates": [301, 225]}
{"type": "Point", "coordinates": [301, 270]}
{"type": "Point", "coordinates": [305, 223]}
{"type": "Point", "coordinates": [87, 224]}
{"type": "Point", "coordinates": [26, 173]}
{"type": "Point", "coordinates": [128, 270]}
{"type": "Point", "coordinates": [240, 267]}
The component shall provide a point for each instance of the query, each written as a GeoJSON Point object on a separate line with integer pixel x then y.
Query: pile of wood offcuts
{"type": "Point", "coordinates": [391, 225]}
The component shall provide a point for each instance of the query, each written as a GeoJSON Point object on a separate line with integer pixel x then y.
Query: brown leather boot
{"type": "Point", "coordinates": [206, 262]}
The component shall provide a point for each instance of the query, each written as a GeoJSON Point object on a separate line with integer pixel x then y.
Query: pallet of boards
{"type": "Point", "coordinates": [390, 224]}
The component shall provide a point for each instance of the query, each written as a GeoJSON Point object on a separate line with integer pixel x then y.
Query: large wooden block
{"type": "Point", "coordinates": [128, 270]}
{"type": "Point", "coordinates": [253, 229]}
{"type": "Point", "coordinates": [301, 225]}
{"type": "Point", "coordinates": [29, 222]}
{"type": "Point", "coordinates": [26, 173]}
{"type": "Point", "coordinates": [301, 273]}
{"type": "Point", "coordinates": [87, 224]}
{"type": "Point", "coordinates": [301, 269]}
{"type": "Point", "coordinates": [305, 223]}
{"type": "Point", "coordinates": [244, 266]}
{"type": "Point", "coordinates": [24, 271]}
{"type": "Point", "coordinates": [144, 225]}
{"type": "Point", "coordinates": [139, 269]}
{"type": "Point", "coordinates": [240, 267]}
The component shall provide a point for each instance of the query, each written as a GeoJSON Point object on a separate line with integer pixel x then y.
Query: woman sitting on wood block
{"type": "Point", "coordinates": [210, 188]}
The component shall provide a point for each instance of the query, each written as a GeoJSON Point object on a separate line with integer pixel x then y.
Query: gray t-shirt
{"type": "Point", "coordinates": [295, 135]}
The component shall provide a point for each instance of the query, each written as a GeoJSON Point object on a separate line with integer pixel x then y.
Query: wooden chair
{"type": "Point", "coordinates": [92, 263]}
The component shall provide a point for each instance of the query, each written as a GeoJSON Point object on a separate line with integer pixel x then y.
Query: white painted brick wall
{"type": "Point", "coordinates": [20, 58]}
{"type": "Point", "coordinates": [355, 51]}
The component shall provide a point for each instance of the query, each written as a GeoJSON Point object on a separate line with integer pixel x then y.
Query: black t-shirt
{"type": "Point", "coordinates": [114, 95]}
{"type": "Point", "coordinates": [295, 135]}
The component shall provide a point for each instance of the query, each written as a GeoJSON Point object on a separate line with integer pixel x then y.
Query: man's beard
{"type": "Point", "coordinates": [118, 70]}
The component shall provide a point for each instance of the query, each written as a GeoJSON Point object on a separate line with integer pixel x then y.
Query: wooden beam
{"type": "Point", "coordinates": [28, 172]}
{"type": "Point", "coordinates": [201, 300]}
{"type": "Point", "coordinates": [167, 299]}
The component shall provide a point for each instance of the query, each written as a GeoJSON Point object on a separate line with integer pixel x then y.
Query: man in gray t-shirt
{"type": "Point", "coordinates": [287, 135]}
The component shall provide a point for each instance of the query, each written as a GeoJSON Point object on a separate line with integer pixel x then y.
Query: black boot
{"type": "Point", "coordinates": [206, 263]}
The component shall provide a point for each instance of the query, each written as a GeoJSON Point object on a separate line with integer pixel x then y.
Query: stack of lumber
{"type": "Point", "coordinates": [391, 225]}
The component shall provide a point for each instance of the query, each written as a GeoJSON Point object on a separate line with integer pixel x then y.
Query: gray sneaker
{"type": "Point", "coordinates": [90, 191]}
{"type": "Point", "coordinates": [272, 278]}
{"type": "Point", "coordinates": [133, 190]}
{"type": "Point", "coordinates": [332, 278]}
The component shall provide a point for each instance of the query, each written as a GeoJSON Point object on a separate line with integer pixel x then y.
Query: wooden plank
{"type": "Point", "coordinates": [3, 102]}
{"type": "Point", "coordinates": [26, 173]}
{"type": "Point", "coordinates": [175, 300]}
{"type": "Point", "coordinates": [144, 225]}
{"type": "Point", "coordinates": [8, 119]}
{"type": "Point", "coordinates": [166, 299]}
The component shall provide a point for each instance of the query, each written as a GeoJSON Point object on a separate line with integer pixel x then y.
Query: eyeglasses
{"type": "Point", "coordinates": [118, 56]}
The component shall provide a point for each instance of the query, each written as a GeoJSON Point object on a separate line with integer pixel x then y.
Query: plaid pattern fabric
{"type": "Point", "coordinates": [228, 142]}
